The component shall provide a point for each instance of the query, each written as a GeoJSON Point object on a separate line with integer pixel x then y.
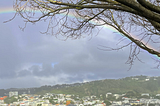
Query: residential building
{"type": "Point", "coordinates": [14, 93]}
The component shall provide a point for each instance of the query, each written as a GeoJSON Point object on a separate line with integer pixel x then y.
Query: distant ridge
{"type": "Point", "coordinates": [141, 84]}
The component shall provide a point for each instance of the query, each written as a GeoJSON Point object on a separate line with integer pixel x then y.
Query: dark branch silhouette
{"type": "Point", "coordinates": [141, 17]}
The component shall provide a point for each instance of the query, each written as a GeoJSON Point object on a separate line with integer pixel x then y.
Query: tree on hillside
{"type": "Point", "coordinates": [9, 100]}
{"type": "Point", "coordinates": [107, 102]}
{"type": "Point", "coordinates": [140, 17]}
{"type": "Point", "coordinates": [131, 94]}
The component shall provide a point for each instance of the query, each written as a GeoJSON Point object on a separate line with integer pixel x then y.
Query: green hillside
{"type": "Point", "coordinates": [142, 85]}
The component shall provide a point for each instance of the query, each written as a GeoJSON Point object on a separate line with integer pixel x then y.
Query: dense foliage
{"type": "Point", "coordinates": [129, 85]}
{"type": "Point", "coordinates": [126, 85]}
{"type": "Point", "coordinates": [9, 100]}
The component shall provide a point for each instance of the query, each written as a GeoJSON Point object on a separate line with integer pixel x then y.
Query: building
{"type": "Point", "coordinates": [15, 93]}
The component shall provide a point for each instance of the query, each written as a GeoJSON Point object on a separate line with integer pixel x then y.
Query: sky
{"type": "Point", "coordinates": [31, 59]}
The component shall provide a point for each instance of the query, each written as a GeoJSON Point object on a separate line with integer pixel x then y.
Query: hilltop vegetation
{"type": "Point", "coordinates": [140, 84]}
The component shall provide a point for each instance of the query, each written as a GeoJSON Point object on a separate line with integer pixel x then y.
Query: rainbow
{"type": "Point", "coordinates": [7, 10]}
{"type": "Point", "coordinates": [11, 10]}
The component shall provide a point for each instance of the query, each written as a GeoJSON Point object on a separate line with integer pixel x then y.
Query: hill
{"type": "Point", "coordinates": [140, 84]}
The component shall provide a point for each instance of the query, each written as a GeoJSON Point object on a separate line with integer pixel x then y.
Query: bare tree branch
{"type": "Point", "coordinates": [126, 16]}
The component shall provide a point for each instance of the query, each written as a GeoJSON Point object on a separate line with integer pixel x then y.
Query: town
{"type": "Point", "coordinates": [51, 99]}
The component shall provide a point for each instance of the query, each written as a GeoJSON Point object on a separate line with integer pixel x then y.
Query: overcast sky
{"type": "Point", "coordinates": [31, 59]}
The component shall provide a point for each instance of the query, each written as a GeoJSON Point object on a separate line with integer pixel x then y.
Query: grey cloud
{"type": "Point", "coordinates": [23, 82]}
{"type": "Point", "coordinates": [90, 63]}
{"type": "Point", "coordinates": [45, 70]}
{"type": "Point", "coordinates": [23, 73]}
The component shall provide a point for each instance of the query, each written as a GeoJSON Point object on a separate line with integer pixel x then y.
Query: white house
{"type": "Point", "coordinates": [15, 93]}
